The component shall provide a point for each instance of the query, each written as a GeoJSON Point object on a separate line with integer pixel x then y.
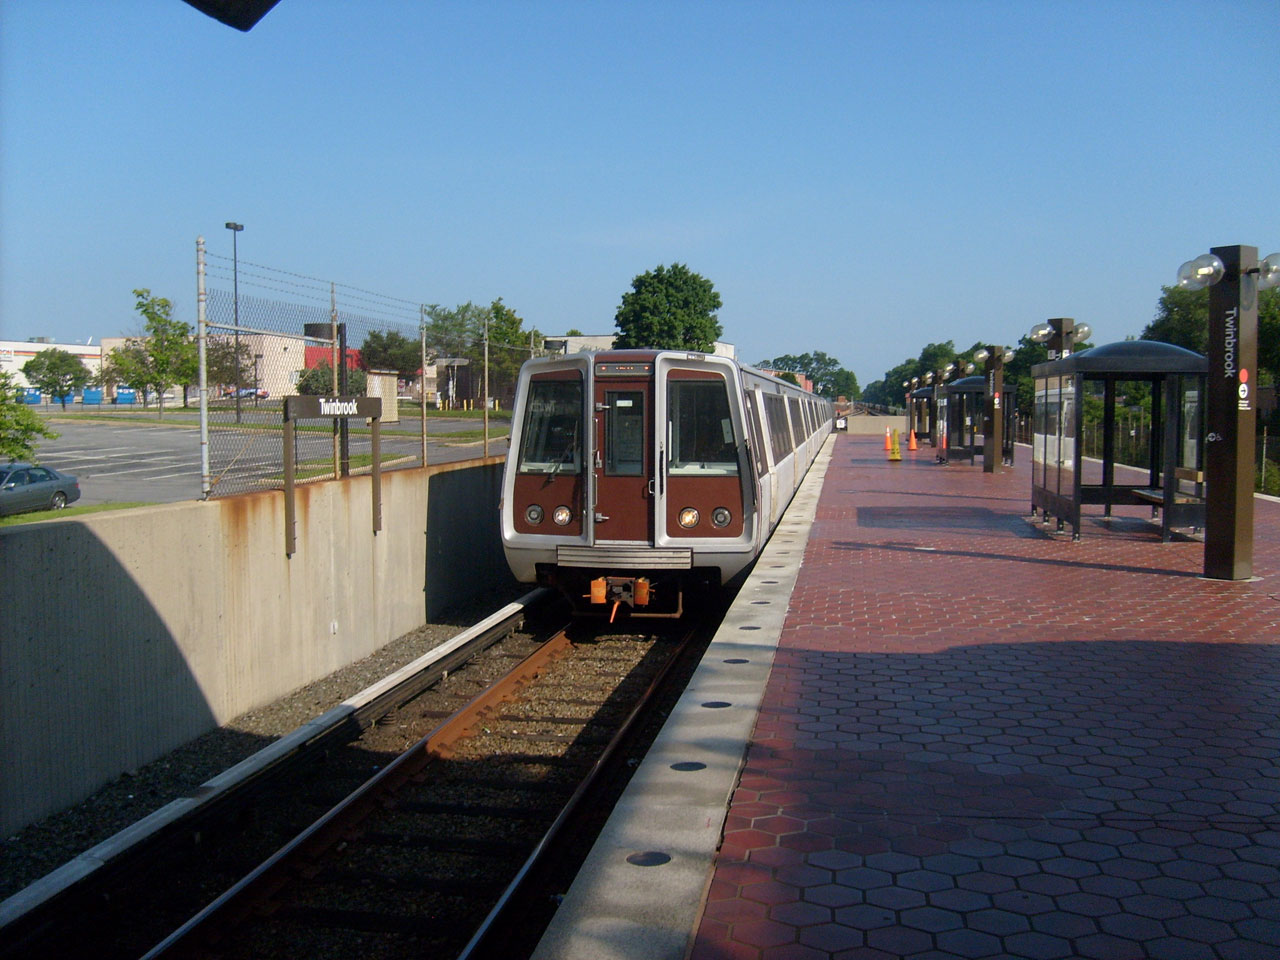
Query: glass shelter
{"type": "Point", "coordinates": [921, 411]}
{"type": "Point", "coordinates": [964, 404]}
{"type": "Point", "coordinates": [1120, 424]}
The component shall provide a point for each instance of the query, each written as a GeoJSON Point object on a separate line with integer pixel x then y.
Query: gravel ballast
{"type": "Point", "coordinates": [45, 845]}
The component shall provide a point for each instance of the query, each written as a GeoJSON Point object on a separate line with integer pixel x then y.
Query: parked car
{"type": "Point", "coordinates": [249, 392]}
{"type": "Point", "coordinates": [24, 486]}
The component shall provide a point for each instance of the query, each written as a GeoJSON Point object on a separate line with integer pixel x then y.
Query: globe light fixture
{"type": "Point", "coordinates": [1041, 332]}
{"type": "Point", "coordinates": [1203, 271]}
{"type": "Point", "coordinates": [981, 355]}
{"type": "Point", "coordinates": [1269, 272]}
{"type": "Point", "coordinates": [1082, 332]}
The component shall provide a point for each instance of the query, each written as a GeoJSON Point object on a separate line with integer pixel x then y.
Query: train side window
{"type": "Point", "coordinates": [757, 433]}
{"type": "Point", "coordinates": [624, 433]}
{"type": "Point", "coordinates": [797, 419]}
{"type": "Point", "coordinates": [775, 409]}
{"type": "Point", "coordinates": [700, 428]}
{"type": "Point", "coordinates": [551, 439]}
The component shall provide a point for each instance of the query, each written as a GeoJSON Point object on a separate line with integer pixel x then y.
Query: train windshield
{"type": "Point", "coordinates": [700, 428]}
{"type": "Point", "coordinates": [551, 441]}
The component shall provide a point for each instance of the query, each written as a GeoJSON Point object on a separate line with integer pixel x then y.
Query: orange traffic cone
{"type": "Point", "coordinates": [911, 440]}
{"type": "Point", "coordinates": [886, 438]}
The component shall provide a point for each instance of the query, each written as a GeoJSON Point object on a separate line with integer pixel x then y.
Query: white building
{"type": "Point", "coordinates": [14, 355]}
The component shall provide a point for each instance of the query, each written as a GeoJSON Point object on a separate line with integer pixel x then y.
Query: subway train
{"type": "Point", "coordinates": [637, 477]}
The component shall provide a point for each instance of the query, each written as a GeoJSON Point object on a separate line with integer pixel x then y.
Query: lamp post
{"type": "Point", "coordinates": [1234, 276]}
{"type": "Point", "coordinates": [235, 229]}
{"type": "Point", "coordinates": [1060, 334]}
{"type": "Point", "coordinates": [993, 359]}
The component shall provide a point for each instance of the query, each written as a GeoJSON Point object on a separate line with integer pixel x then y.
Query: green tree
{"type": "Point", "coordinates": [789, 377]}
{"type": "Point", "coordinates": [221, 366]}
{"type": "Point", "coordinates": [510, 345]}
{"type": "Point", "coordinates": [672, 309]}
{"type": "Point", "coordinates": [844, 384]}
{"type": "Point", "coordinates": [318, 381]}
{"type": "Point", "coordinates": [20, 427]}
{"type": "Point", "coordinates": [391, 350]}
{"type": "Point", "coordinates": [823, 370]}
{"type": "Point", "coordinates": [57, 373]}
{"type": "Point", "coordinates": [172, 357]}
{"type": "Point", "coordinates": [1182, 318]}
{"type": "Point", "coordinates": [128, 365]}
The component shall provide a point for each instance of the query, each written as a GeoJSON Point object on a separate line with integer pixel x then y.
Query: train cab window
{"type": "Point", "coordinates": [551, 441]}
{"type": "Point", "coordinates": [624, 433]}
{"type": "Point", "coordinates": [700, 428]}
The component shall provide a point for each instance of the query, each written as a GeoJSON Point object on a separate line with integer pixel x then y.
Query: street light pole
{"type": "Point", "coordinates": [235, 229]}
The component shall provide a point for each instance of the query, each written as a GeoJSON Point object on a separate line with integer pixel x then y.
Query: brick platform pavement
{"type": "Point", "coordinates": [983, 740]}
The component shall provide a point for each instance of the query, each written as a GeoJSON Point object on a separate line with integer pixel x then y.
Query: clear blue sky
{"type": "Point", "coordinates": [857, 178]}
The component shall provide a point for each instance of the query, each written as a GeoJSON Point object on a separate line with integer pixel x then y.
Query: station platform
{"type": "Point", "coordinates": [965, 736]}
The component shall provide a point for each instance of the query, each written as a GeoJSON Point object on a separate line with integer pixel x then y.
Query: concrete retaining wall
{"type": "Point", "coordinates": [867, 425]}
{"type": "Point", "coordinates": [125, 634]}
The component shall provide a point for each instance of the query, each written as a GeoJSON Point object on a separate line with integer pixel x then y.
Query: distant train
{"type": "Point", "coordinates": [636, 475]}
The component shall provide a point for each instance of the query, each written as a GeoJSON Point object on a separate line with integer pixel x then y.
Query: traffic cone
{"type": "Point", "coordinates": [911, 440]}
{"type": "Point", "coordinates": [886, 438]}
{"type": "Point", "coordinates": [895, 450]}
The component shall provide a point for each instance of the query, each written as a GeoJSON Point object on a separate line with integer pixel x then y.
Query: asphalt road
{"type": "Point", "coordinates": [147, 461]}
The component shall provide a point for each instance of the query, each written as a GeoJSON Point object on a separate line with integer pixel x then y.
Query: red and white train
{"type": "Point", "coordinates": [634, 475]}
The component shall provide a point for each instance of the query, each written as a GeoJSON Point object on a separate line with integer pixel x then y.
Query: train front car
{"type": "Point", "coordinates": [628, 481]}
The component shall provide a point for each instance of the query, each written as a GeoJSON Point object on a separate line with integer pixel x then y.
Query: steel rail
{"type": "Point", "coordinates": [33, 908]}
{"type": "Point", "coordinates": [269, 876]}
{"type": "Point", "coordinates": [482, 943]}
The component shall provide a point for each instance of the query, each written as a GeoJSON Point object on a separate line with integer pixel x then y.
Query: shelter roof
{"type": "Point", "coordinates": [1142, 357]}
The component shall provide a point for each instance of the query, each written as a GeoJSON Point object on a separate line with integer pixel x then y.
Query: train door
{"type": "Point", "coordinates": [623, 459]}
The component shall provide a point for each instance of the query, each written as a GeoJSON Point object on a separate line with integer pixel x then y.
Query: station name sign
{"type": "Point", "coordinates": [317, 408]}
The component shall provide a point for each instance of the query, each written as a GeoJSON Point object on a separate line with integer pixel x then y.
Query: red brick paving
{"type": "Point", "coordinates": [982, 740]}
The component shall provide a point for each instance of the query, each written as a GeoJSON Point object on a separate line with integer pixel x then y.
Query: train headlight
{"type": "Point", "coordinates": [688, 517]}
{"type": "Point", "coordinates": [562, 516]}
{"type": "Point", "coordinates": [533, 513]}
{"type": "Point", "coordinates": [721, 516]}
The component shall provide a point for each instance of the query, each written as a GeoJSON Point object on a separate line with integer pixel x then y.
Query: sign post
{"type": "Point", "coordinates": [323, 408]}
{"type": "Point", "coordinates": [1231, 416]}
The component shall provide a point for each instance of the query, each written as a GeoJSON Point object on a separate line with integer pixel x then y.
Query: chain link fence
{"type": "Point", "coordinates": [271, 334]}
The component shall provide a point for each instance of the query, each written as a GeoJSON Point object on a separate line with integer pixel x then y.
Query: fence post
{"type": "Point", "coordinates": [422, 378]}
{"type": "Point", "coordinates": [202, 340]}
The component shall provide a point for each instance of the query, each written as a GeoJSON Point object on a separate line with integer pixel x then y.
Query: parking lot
{"type": "Point", "coordinates": [159, 462]}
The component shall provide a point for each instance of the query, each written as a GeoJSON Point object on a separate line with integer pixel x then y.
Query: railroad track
{"type": "Point", "coordinates": [473, 765]}
{"type": "Point", "coordinates": [427, 857]}
{"type": "Point", "coordinates": [137, 886]}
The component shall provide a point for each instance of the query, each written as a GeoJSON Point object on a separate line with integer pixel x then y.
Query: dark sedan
{"type": "Point", "coordinates": [24, 486]}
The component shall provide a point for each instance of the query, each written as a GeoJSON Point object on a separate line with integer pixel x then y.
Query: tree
{"type": "Point", "coordinates": [166, 356]}
{"type": "Point", "coordinates": [1182, 318]}
{"type": "Point", "coordinates": [789, 377]}
{"type": "Point", "coordinates": [318, 381]}
{"type": "Point", "coordinates": [128, 365]}
{"type": "Point", "coordinates": [20, 428]}
{"type": "Point", "coordinates": [671, 309]}
{"type": "Point", "coordinates": [845, 384]}
{"type": "Point", "coordinates": [823, 370]}
{"type": "Point", "coordinates": [220, 360]}
{"type": "Point", "coordinates": [391, 350]}
{"type": "Point", "coordinates": [57, 373]}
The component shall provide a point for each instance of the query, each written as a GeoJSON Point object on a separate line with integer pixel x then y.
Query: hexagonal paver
{"type": "Point", "coordinates": [1092, 774]}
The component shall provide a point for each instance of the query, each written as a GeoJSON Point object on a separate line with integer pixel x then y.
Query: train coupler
{"type": "Point", "coordinates": [633, 591]}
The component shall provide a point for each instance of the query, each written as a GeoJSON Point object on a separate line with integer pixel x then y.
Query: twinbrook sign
{"type": "Point", "coordinates": [325, 408]}
{"type": "Point", "coordinates": [316, 408]}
